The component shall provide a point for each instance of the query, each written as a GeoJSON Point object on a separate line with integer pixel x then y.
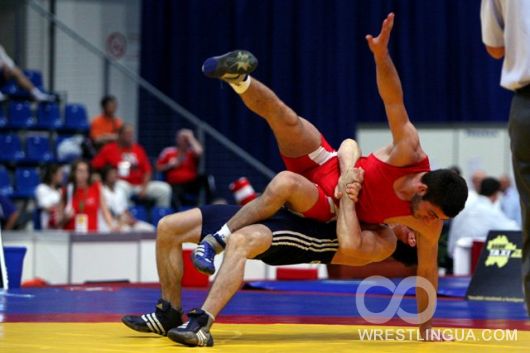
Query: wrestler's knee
{"type": "Point", "coordinates": [237, 244]}
{"type": "Point", "coordinates": [163, 228]}
{"type": "Point", "coordinates": [285, 183]}
{"type": "Point", "coordinates": [168, 228]}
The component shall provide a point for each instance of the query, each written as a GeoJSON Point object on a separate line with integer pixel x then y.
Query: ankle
{"type": "Point", "coordinates": [240, 84]}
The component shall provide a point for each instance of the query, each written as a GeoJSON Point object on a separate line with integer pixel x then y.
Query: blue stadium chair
{"type": "Point", "coordinates": [48, 116]}
{"type": "Point", "coordinates": [157, 213]}
{"type": "Point", "coordinates": [20, 116]}
{"type": "Point", "coordinates": [5, 184]}
{"type": "Point", "coordinates": [38, 149]}
{"type": "Point", "coordinates": [11, 149]}
{"type": "Point", "coordinates": [26, 181]}
{"type": "Point", "coordinates": [3, 118]}
{"type": "Point", "coordinates": [75, 117]}
{"type": "Point", "coordinates": [139, 212]}
{"type": "Point", "coordinates": [35, 76]}
{"type": "Point", "coordinates": [10, 88]}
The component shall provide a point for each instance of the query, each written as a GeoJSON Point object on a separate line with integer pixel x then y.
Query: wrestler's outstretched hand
{"type": "Point", "coordinates": [379, 44]}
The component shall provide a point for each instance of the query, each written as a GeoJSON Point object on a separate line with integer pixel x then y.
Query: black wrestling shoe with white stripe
{"type": "Point", "coordinates": [195, 332]}
{"type": "Point", "coordinates": [160, 322]}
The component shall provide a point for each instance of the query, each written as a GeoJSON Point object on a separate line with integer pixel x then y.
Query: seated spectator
{"type": "Point", "coordinates": [104, 127]}
{"type": "Point", "coordinates": [476, 179]}
{"type": "Point", "coordinates": [9, 71]}
{"type": "Point", "coordinates": [475, 222]}
{"type": "Point", "coordinates": [9, 215]}
{"type": "Point", "coordinates": [48, 197]}
{"type": "Point", "coordinates": [180, 165]}
{"type": "Point", "coordinates": [510, 201]}
{"type": "Point", "coordinates": [134, 168]}
{"type": "Point", "coordinates": [116, 198]}
{"type": "Point", "coordinates": [83, 198]}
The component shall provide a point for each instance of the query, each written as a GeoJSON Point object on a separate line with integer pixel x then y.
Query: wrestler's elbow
{"type": "Point", "coordinates": [349, 147]}
{"type": "Point", "coordinates": [349, 246]}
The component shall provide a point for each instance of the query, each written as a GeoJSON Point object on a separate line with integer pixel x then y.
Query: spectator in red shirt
{"type": "Point", "coordinates": [84, 197]}
{"type": "Point", "coordinates": [134, 168]}
{"type": "Point", "coordinates": [180, 165]}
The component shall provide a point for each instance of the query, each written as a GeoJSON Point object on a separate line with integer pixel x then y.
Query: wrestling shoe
{"type": "Point", "coordinates": [195, 332]}
{"type": "Point", "coordinates": [162, 320]}
{"type": "Point", "coordinates": [231, 67]}
{"type": "Point", "coordinates": [203, 255]}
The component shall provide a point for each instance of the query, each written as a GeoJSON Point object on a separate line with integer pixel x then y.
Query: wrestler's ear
{"type": "Point", "coordinates": [421, 189]}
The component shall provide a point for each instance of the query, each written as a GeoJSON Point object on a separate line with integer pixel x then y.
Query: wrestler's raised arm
{"type": "Point", "coordinates": [406, 148]}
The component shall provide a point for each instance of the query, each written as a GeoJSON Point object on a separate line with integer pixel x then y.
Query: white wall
{"type": "Point", "coordinates": [485, 148]}
{"type": "Point", "coordinates": [79, 73]}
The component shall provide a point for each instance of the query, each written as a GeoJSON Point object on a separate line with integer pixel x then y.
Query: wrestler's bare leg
{"type": "Point", "coordinates": [295, 135]}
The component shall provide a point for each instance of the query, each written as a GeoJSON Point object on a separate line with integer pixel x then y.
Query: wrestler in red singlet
{"type": "Point", "coordinates": [377, 199]}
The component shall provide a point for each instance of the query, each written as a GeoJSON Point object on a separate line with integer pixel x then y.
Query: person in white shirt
{"type": "Point", "coordinates": [48, 197]}
{"type": "Point", "coordinates": [116, 196]}
{"type": "Point", "coordinates": [506, 34]}
{"type": "Point", "coordinates": [8, 70]}
{"type": "Point", "coordinates": [510, 201]}
{"type": "Point", "coordinates": [476, 179]}
{"type": "Point", "coordinates": [475, 222]}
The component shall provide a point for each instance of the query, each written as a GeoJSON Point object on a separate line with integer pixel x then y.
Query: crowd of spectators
{"type": "Point", "coordinates": [96, 194]}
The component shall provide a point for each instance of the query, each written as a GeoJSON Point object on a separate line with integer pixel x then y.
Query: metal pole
{"type": "Point", "coordinates": [106, 77]}
{"type": "Point", "coordinates": [51, 54]}
{"type": "Point", "coordinates": [3, 268]}
{"type": "Point", "coordinates": [202, 162]}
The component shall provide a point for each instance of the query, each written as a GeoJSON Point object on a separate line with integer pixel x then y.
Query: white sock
{"type": "Point", "coordinates": [224, 232]}
{"type": "Point", "coordinates": [39, 95]}
{"type": "Point", "coordinates": [240, 86]}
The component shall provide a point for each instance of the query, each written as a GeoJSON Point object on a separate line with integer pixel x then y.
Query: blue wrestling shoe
{"type": "Point", "coordinates": [204, 254]}
{"type": "Point", "coordinates": [162, 320]}
{"type": "Point", "coordinates": [232, 66]}
{"type": "Point", "coordinates": [195, 332]}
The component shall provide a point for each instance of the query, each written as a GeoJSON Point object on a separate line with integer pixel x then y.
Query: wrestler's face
{"type": "Point", "coordinates": [426, 211]}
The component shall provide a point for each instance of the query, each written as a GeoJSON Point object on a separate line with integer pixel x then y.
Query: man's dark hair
{"type": "Point", "coordinates": [489, 186]}
{"type": "Point", "coordinates": [106, 99]}
{"type": "Point", "coordinates": [446, 190]}
{"type": "Point", "coordinates": [405, 254]}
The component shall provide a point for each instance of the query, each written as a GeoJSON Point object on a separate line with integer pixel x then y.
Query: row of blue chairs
{"type": "Point", "coordinates": [26, 181]}
{"type": "Point", "coordinates": [48, 117]}
{"type": "Point", "coordinates": [12, 89]}
{"type": "Point", "coordinates": [38, 149]}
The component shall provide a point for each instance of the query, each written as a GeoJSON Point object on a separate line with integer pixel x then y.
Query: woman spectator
{"type": "Point", "coordinates": [116, 198]}
{"type": "Point", "coordinates": [48, 195]}
{"type": "Point", "coordinates": [84, 200]}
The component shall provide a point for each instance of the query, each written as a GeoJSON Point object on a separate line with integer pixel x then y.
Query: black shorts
{"type": "Point", "coordinates": [295, 240]}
